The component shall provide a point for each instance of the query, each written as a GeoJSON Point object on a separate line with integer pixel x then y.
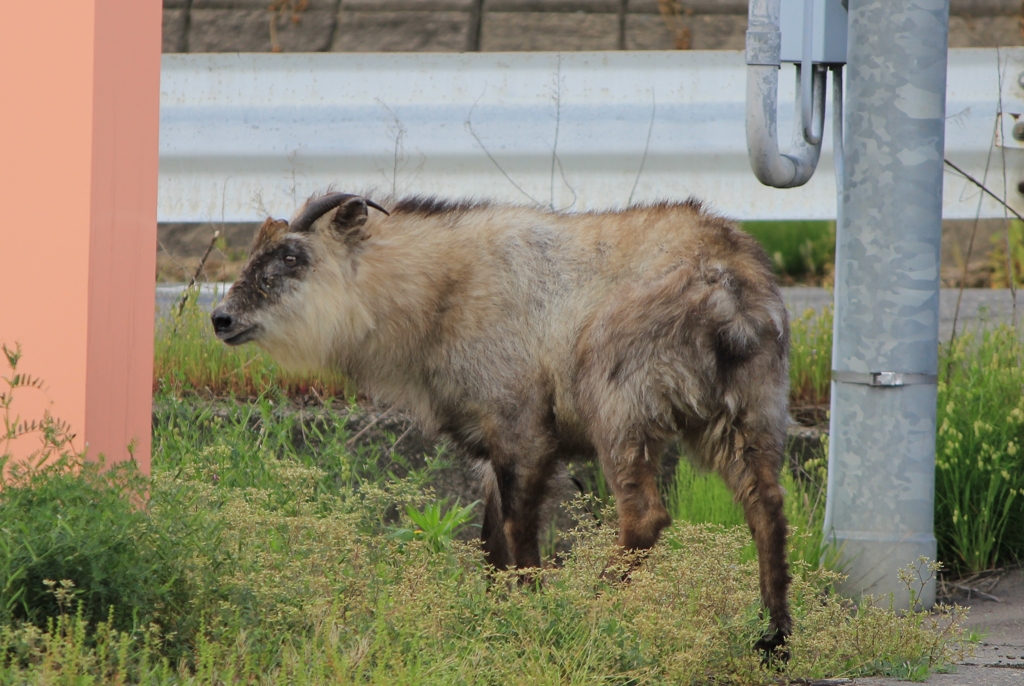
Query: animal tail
{"type": "Point", "coordinates": [741, 313]}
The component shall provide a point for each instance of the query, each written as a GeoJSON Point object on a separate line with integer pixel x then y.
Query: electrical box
{"type": "Point", "coordinates": [828, 40]}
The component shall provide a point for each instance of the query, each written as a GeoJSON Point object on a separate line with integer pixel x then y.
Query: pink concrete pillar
{"type": "Point", "coordinates": [79, 130]}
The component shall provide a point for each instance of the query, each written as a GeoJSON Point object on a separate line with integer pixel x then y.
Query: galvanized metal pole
{"type": "Point", "coordinates": [885, 357]}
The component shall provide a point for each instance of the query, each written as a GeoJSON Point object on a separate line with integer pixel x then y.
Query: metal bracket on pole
{"type": "Point", "coordinates": [821, 34]}
{"type": "Point", "coordinates": [885, 378]}
{"type": "Point", "coordinates": [814, 38]}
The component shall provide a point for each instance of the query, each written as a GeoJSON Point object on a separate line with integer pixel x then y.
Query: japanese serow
{"type": "Point", "coordinates": [529, 337]}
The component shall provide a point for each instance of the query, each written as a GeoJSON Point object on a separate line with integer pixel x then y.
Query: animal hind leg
{"type": "Point", "coordinates": [754, 478]}
{"type": "Point", "coordinates": [632, 473]}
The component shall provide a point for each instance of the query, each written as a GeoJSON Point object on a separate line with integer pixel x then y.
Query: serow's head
{"type": "Point", "coordinates": [268, 302]}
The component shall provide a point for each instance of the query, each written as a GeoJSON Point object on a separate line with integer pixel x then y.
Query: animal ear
{"type": "Point", "coordinates": [349, 220]}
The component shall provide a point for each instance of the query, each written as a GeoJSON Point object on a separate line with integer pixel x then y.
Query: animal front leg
{"type": "Point", "coordinates": [526, 491]}
{"type": "Point", "coordinates": [521, 461]}
{"type": "Point", "coordinates": [492, 533]}
{"type": "Point", "coordinates": [513, 498]}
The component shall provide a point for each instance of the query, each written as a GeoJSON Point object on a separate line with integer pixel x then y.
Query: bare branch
{"type": "Point", "coordinates": [1002, 153]}
{"type": "Point", "coordinates": [399, 439]}
{"type": "Point", "coordinates": [352, 441]}
{"type": "Point", "coordinates": [257, 202]}
{"type": "Point", "coordinates": [557, 94]}
{"type": "Point", "coordinates": [397, 131]}
{"type": "Point", "coordinates": [984, 189]}
{"type": "Point", "coordinates": [561, 171]}
{"type": "Point", "coordinates": [292, 156]}
{"type": "Point", "coordinates": [970, 244]}
{"type": "Point", "coordinates": [192, 282]}
{"type": "Point", "coordinates": [469, 127]}
{"type": "Point", "coordinates": [647, 146]}
{"type": "Point", "coordinates": [978, 592]}
{"type": "Point", "coordinates": [399, 156]}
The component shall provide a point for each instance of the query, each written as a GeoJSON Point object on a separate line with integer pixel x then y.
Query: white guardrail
{"type": "Point", "coordinates": [247, 135]}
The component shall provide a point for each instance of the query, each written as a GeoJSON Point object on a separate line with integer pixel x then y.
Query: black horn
{"type": "Point", "coordinates": [321, 206]}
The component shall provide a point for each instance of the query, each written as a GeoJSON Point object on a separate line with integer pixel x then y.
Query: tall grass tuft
{"type": "Point", "coordinates": [699, 497]}
{"type": "Point", "coordinates": [188, 358]}
{"type": "Point", "coordinates": [979, 475]}
{"type": "Point", "coordinates": [810, 358]}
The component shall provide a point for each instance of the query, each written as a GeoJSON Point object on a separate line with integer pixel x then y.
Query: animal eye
{"type": "Point", "coordinates": [290, 260]}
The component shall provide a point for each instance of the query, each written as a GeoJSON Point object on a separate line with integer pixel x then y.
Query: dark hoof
{"type": "Point", "coordinates": [773, 649]}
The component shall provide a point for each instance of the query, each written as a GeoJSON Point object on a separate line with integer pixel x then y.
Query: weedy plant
{"type": "Point", "coordinates": [287, 556]}
{"type": "Point", "coordinates": [979, 467]}
{"type": "Point", "coordinates": [54, 434]}
{"type": "Point", "coordinates": [432, 527]}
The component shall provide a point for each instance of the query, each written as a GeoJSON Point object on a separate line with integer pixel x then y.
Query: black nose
{"type": "Point", "coordinates": [222, 321]}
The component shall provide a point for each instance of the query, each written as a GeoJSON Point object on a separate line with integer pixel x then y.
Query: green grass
{"type": "Point", "coordinates": [319, 592]}
{"type": "Point", "coordinates": [701, 498]}
{"type": "Point", "coordinates": [800, 250]}
{"type": "Point", "coordinates": [292, 563]}
{"type": "Point", "coordinates": [68, 520]}
{"type": "Point", "coordinates": [979, 483]}
{"type": "Point", "coordinates": [1002, 267]}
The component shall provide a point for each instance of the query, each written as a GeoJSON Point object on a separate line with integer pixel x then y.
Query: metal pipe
{"type": "Point", "coordinates": [837, 136]}
{"type": "Point", "coordinates": [839, 167]}
{"type": "Point", "coordinates": [880, 501]}
{"type": "Point", "coordinates": [800, 146]}
{"type": "Point", "coordinates": [771, 167]}
{"type": "Point", "coordinates": [807, 119]}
